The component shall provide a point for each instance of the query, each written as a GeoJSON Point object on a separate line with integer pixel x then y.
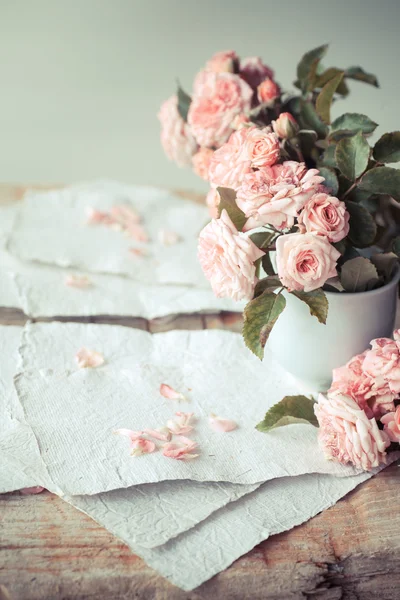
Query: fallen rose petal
{"type": "Point", "coordinates": [78, 281]}
{"type": "Point", "coordinates": [137, 232]}
{"type": "Point", "coordinates": [168, 238]}
{"type": "Point", "coordinates": [139, 252]}
{"type": "Point", "coordinates": [98, 217]}
{"type": "Point", "coordinates": [163, 434]}
{"type": "Point", "coordinates": [142, 446]}
{"type": "Point", "coordinates": [132, 435]}
{"type": "Point", "coordinates": [180, 425]}
{"type": "Point", "coordinates": [125, 215]}
{"type": "Point", "coordinates": [168, 392]}
{"type": "Point", "coordinates": [180, 449]}
{"type": "Point", "coordinates": [88, 359]}
{"type": "Point", "coordinates": [32, 490]}
{"type": "Point", "coordinates": [221, 425]}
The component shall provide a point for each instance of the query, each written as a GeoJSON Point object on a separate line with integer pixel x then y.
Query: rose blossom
{"type": "Point", "coordinates": [268, 91]}
{"type": "Point", "coordinates": [217, 99]}
{"type": "Point", "coordinates": [253, 71]}
{"type": "Point", "coordinates": [201, 162]}
{"type": "Point", "coordinates": [305, 261]}
{"type": "Point", "coordinates": [382, 362]}
{"type": "Point", "coordinates": [347, 435]}
{"type": "Point", "coordinates": [350, 380]}
{"type": "Point", "coordinates": [228, 165]}
{"type": "Point", "coordinates": [325, 215]}
{"type": "Point", "coordinates": [275, 195]}
{"type": "Point", "coordinates": [176, 138]}
{"type": "Point", "coordinates": [391, 422]}
{"type": "Point", "coordinates": [261, 147]}
{"type": "Point", "coordinates": [223, 62]}
{"type": "Point", "coordinates": [227, 258]}
{"type": "Point", "coordinates": [212, 201]}
{"type": "Point", "coordinates": [285, 126]}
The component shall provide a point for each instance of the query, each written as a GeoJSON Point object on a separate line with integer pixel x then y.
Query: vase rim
{"type": "Point", "coordinates": [393, 282]}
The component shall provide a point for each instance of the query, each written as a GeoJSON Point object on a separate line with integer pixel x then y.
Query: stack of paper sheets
{"type": "Point", "coordinates": [187, 519]}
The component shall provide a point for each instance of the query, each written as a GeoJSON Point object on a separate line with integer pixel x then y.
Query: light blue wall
{"type": "Point", "coordinates": [81, 80]}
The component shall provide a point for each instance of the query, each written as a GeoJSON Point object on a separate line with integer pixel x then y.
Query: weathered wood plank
{"type": "Point", "coordinates": [48, 550]}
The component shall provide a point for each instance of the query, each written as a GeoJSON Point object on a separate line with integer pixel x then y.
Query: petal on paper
{"type": "Point", "coordinates": [32, 490]}
{"type": "Point", "coordinates": [97, 217]}
{"type": "Point", "coordinates": [168, 238]}
{"type": "Point", "coordinates": [88, 359]}
{"type": "Point", "coordinates": [168, 392]}
{"type": "Point", "coordinates": [221, 425]}
{"type": "Point", "coordinates": [78, 281]}
{"type": "Point", "coordinates": [142, 446]}
{"type": "Point", "coordinates": [137, 232]}
{"type": "Point", "coordinates": [180, 449]}
{"type": "Point", "coordinates": [181, 424]}
{"type": "Point", "coordinates": [125, 215]}
{"type": "Point", "coordinates": [163, 434]}
{"type": "Point", "coordinates": [132, 435]}
{"type": "Point", "coordinates": [138, 252]}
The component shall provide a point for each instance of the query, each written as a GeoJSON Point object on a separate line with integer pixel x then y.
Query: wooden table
{"type": "Point", "coordinates": [51, 551]}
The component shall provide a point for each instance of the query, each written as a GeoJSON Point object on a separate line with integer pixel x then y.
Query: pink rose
{"type": "Point", "coordinates": [275, 195]}
{"type": "Point", "coordinates": [382, 363]}
{"type": "Point", "coordinates": [227, 258]}
{"type": "Point", "coordinates": [261, 147]}
{"type": "Point", "coordinates": [212, 201]}
{"type": "Point", "coordinates": [305, 261]}
{"type": "Point", "coordinates": [350, 380]}
{"type": "Point", "coordinates": [347, 435]}
{"type": "Point", "coordinates": [325, 215]}
{"type": "Point", "coordinates": [268, 91]}
{"type": "Point", "coordinates": [201, 162]}
{"type": "Point", "coordinates": [391, 422]}
{"type": "Point", "coordinates": [217, 99]}
{"type": "Point", "coordinates": [229, 164]}
{"type": "Point", "coordinates": [176, 139]}
{"type": "Point", "coordinates": [285, 126]}
{"type": "Point", "coordinates": [223, 62]}
{"type": "Point", "coordinates": [240, 121]}
{"type": "Point", "coordinates": [253, 71]}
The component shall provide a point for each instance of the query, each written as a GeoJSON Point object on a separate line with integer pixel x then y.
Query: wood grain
{"type": "Point", "coordinates": [50, 551]}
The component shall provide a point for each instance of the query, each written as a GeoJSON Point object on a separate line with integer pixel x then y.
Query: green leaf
{"type": "Point", "coordinates": [291, 409]}
{"type": "Point", "coordinates": [262, 239]}
{"type": "Point", "coordinates": [325, 97]}
{"type": "Point", "coordinates": [328, 157]}
{"type": "Point", "coordinates": [362, 225]}
{"type": "Point", "coordinates": [327, 75]}
{"type": "Point", "coordinates": [396, 246]}
{"type": "Point", "coordinates": [385, 263]}
{"type": "Point", "coordinates": [331, 181]}
{"type": "Point", "coordinates": [357, 274]}
{"type": "Point", "coordinates": [387, 148]}
{"type": "Point", "coordinates": [352, 156]}
{"type": "Point", "coordinates": [260, 315]}
{"type": "Point", "coordinates": [228, 203]}
{"type": "Point", "coordinates": [317, 302]}
{"type": "Point", "coordinates": [359, 74]}
{"type": "Point", "coordinates": [336, 136]}
{"type": "Point", "coordinates": [354, 122]}
{"type": "Point", "coordinates": [267, 264]}
{"type": "Point", "coordinates": [271, 283]}
{"type": "Point", "coordinates": [310, 119]}
{"type": "Point", "coordinates": [357, 195]}
{"type": "Point", "coordinates": [184, 101]}
{"type": "Point", "coordinates": [382, 180]}
{"type": "Point", "coordinates": [307, 67]}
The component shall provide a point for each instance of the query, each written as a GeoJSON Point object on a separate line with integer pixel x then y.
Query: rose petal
{"type": "Point", "coordinates": [142, 446]}
{"type": "Point", "coordinates": [78, 281]}
{"type": "Point", "coordinates": [139, 252]}
{"type": "Point", "coordinates": [221, 425]}
{"type": "Point", "coordinates": [168, 392]}
{"type": "Point", "coordinates": [180, 425]}
{"type": "Point", "coordinates": [88, 358]}
{"type": "Point", "coordinates": [137, 232]}
{"type": "Point", "coordinates": [162, 434]}
{"type": "Point", "coordinates": [180, 449]}
{"type": "Point", "coordinates": [32, 490]}
{"type": "Point", "coordinates": [168, 238]}
{"type": "Point", "coordinates": [132, 435]}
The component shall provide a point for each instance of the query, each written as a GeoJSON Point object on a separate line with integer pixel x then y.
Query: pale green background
{"type": "Point", "coordinates": [81, 80]}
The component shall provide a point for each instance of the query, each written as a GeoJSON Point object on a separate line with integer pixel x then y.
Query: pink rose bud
{"type": "Point", "coordinates": [223, 62]}
{"type": "Point", "coordinates": [268, 91]}
{"type": "Point", "coordinates": [285, 126]}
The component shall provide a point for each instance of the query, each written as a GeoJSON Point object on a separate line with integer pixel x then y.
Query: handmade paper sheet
{"type": "Point", "coordinates": [52, 228]}
{"type": "Point", "coordinates": [74, 412]}
{"type": "Point", "coordinates": [20, 461]}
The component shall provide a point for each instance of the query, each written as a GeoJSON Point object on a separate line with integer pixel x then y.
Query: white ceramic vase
{"type": "Point", "coordinates": [310, 350]}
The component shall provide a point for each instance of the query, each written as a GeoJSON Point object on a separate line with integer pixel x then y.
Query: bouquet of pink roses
{"type": "Point", "coordinates": [359, 417]}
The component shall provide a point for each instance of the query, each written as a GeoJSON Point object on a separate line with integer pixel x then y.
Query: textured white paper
{"type": "Point", "coordinates": [51, 228]}
{"type": "Point", "coordinates": [73, 412]}
{"type": "Point", "coordinates": [20, 461]}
